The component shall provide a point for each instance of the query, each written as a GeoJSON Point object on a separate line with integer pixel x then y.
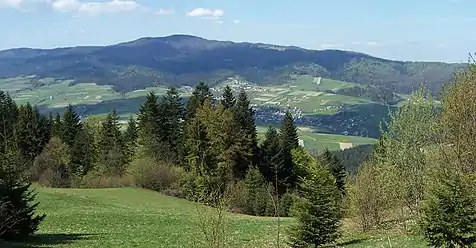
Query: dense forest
{"type": "Point", "coordinates": [420, 177]}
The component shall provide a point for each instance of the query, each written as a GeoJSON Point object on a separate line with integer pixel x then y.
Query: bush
{"type": "Point", "coordinates": [159, 177]}
{"type": "Point", "coordinates": [448, 217]}
{"type": "Point", "coordinates": [95, 180]}
{"type": "Point", "coordinates": [51, 166]}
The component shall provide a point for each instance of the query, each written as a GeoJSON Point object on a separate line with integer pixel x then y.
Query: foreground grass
{"type": "Point", "coordinates": [130, 217]}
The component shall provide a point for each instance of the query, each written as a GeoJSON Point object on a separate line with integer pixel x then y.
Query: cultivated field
{"type": "Point", "coordinates": [315, 141]}
{"type": "Point", "coordinates": [130, 217]}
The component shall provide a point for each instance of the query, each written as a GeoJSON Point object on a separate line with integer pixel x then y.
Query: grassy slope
{"type": "Point", "coordinates": [130, 217]}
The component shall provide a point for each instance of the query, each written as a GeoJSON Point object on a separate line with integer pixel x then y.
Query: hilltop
{"type": "Point", "coordinates": [184, 60]}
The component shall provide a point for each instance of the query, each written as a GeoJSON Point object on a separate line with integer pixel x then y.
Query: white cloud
{"type": "Point", "coordinates": [236, 21]}
{"type": "Point", "coordinates": [11, 3]}
{"type": "Point", "coordinates": [96, 7]}
{"type": "Point", "coordinates": [201, 12]}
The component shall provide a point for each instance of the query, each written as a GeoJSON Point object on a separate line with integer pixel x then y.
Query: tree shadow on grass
{"type": "Point", "coordinates": [46, 240]}
{"type": "Point", "coordinates": [352, 241]}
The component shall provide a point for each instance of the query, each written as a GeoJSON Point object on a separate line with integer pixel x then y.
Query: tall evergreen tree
{"type": "Point", "coordinates": [148, 127]}
{"type": "Point", "coordinates": [228, 100]}
{"type": "Point", "coordinates": [289, 141]}
{"type": "Point", "coordinates": [32, 132]}
{"type": "Point", "coordinates": [111, 148]}
{"type": "Point", "coordinates": [270, 148]}
{"type": "Point", "coordinates": [17, 207]}
{"type": "Point", "coordinates": [244, 116]}
{"type": "Point", "coordinates": [130, 138]}
{"type": "Point", "coordinates": [82, 154]}
{"type": "Point", "coordinates": [171, 114]}
{"type": "Point", "coordinates": [71, 125]}
{"type": "Point", "coordinates": [8, 116]}
{"type": "Point", "coordinates": [199, 94]}
{"type": "Point", "coordinates": [336, 168]}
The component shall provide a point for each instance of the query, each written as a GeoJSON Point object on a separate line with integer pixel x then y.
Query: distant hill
{"type": "Point", "coordinates": [185, 60]}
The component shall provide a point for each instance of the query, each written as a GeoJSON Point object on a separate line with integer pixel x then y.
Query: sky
{"type": "Point", "coordinates": [416, 30]}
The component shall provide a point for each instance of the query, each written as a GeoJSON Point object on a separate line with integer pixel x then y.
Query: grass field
{"type": "Point", "coordinates": [315, 141]}
{"type": "Point", "coordinates": [130, 217]}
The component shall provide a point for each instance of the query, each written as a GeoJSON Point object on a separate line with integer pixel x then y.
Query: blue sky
{"type": "Point", "coordinates": [435, 30]}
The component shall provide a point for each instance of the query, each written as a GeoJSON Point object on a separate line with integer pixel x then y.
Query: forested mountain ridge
{"type": "Point", "coordinates": [184, 60]}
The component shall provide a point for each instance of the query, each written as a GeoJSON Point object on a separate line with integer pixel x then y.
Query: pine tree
{"type": "Point", "coordinates": [148, 127]}
{"type": "Point", "coordinates": [289, 141]}
{"type": "Point", "coordinates": [199, 94]}
{"type": "Point", "coordinates": [70, 126]}
{"type": "Point", "coordinates": [228, 100]}
{"type": "Point", "coordinates": [336, 168]}
{"type": "Point", "coordinates": [269, 149]}
{"type": "Point", "coordinates": [31, 131]}
{"type": "Point", "coordinates": [82, 154]}
{"type": "Point", "coordinates": [17, 208]}
{"type": "Point", "coordinates": [111, 148]}
{"type": "Point", "coordinates": [130, 138]}
{"type": "Point", "coordinates": [319, 210]}
{"type": "Point", "coordinates": [244, 116]}
{"type": "Point", "coordinates": [449, 215]}
{"type": "Point", "coordinates": [171, 126]}
{"type": "Point", "coordinates": [8, 116]}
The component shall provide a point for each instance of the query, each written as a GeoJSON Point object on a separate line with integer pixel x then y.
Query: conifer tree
{"type": "Point", "coordinates": [244, 116]}
{"type": "Point", "coordinates": [148, 127]}
{"type": "Point", "coordinates": [336, 168]}
{"type": "Point", "coordinates": [71, 125]}
{"type": "Point", "coordinates": [32, 132]}
{"type": "Point", "coordinates": [111, 152]}
{"type": "Point", "coordinates": [319, 210]}
{"type": "Point", "coordinates": [18, 219]}
{"type": "Point", "coordinates": [82, 154]}
{"type": "Point", "coordinates": [228, 100]}
{"type": "Point", "coordinates": [199, 94]}
{"type": "Point", "coordinates": [8, 116]}
{"type": "Point", "coordinates": [171, 127]}
{"type": "Point", "coordinates": [289, 141]}
{"type": "Point", "coordinates": [269, 149]}
{"type": "Point", "coordinates": [130, 138]}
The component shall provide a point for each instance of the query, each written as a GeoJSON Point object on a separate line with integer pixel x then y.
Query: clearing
{"type": "Point", "coordinates": [128, 217]}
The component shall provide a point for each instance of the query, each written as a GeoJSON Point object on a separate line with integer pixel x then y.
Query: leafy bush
{"type": "Point", "coordinates": [150, 175]}
{"type": "Point", "coordinates": [94, 180]}
{"type": "Point", "coordinates": [51, 166]}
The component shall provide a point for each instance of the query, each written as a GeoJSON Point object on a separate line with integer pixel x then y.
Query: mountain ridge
{"type": "Point", "coordinates": [182, 59]}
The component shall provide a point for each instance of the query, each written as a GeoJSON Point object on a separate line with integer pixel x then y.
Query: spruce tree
{"type": "Point", "coordinates": [319, 210]}
{"type": "Point", "coordinates": [336, 168]}
{"type": "Point", "coordinates": [82, 154]}
{"type": "Point", "coordinates": [171, 114]}
{"type": "Point", "coordinates": [130, 138]}
{"type": "Point", "coordinates": [270, 148]}
{"type": "Point", "coordinates": [244, 116]}
{"type": "Point", "coordinates": [199, 94]}
{"type": "Point", "coordinates": [71, 125]}
{"type": "Point", "coordinates": [31, 131]}
{"type": "Point", "coordinates": [111, 148]}
{"type": "Point", "coordinates": [289, 141]}
{"type": "Point", "coordinates": [228, 100]}
{"type": "Point", "coordinates": [17, 207]}
{"type": "Point", "coordinates": [8, 116]}
{"type": "Point", "coordinates": [148, 138]}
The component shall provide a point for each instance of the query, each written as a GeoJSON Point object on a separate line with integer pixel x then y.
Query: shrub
{"type": "Point", "coordinates": [159, 177]}
{"type": "Point", "coordinates": [95, 180]}
{"type": "Point", "coordinates": [51, 166]}
{"type": "Point", "coordinates": [448, 217]}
